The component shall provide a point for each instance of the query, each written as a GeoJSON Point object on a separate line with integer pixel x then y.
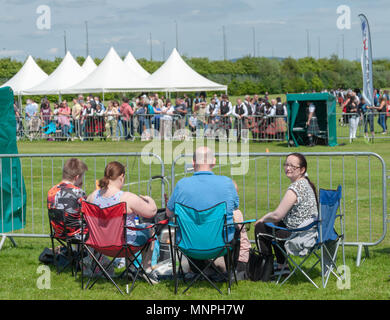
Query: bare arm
{"type": "Point", "coordinates": [281, 211]}
{"type": "Point", "coordinates": [141, 205]}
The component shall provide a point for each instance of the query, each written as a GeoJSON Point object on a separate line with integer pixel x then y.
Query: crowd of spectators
{"type": "Point", "coordinates": [355, 110]}
{"type": "Point", "coordinates": [87, 118]}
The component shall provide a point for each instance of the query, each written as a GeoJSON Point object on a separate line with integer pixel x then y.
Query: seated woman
{"type": "Point", "coordinates": [298, 208]}
{"type": "Point", "coordinates": [110, 193]}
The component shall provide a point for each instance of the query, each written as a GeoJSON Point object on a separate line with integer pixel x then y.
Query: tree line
{"type": "Point", "coordinates": [250, 75]}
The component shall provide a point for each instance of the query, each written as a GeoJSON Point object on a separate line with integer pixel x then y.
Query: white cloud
{"type": "Point", "coordinates": [9, 53]}
{"type": "Point", "coordinates": [53, 50]}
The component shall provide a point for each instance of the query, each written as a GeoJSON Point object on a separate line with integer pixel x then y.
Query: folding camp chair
{"type": "Point", "coordinates": [66, 236]}
{"type": "Point", "coordinates": [107, 236]}
{"type": "Point", "coordinates": [202, 235]}
{"type": "Point", "coordinates": [328, 240]}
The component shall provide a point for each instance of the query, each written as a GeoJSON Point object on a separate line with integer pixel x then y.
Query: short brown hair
{"type": "Point", "coordinates": [72, 168]}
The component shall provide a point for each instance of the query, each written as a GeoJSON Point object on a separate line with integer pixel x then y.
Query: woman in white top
{"type": "Point", "coordinates": [167, 113]}
{"type": "Point", "coordinates": [298, 207]}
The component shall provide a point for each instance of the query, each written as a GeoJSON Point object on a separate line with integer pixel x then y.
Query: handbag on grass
{"type": "Point", "coordinates": [260, 267]}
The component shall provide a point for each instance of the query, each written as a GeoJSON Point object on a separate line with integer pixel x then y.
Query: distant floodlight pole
{"type": "Point", "coordinates": [224, 43]}
{"type": "Point", "coordinates": [177, 37]}
{"type": "Point", "coordinates": [163, 48]}
{"type": "Point", "coordinates": [307, 42]}
{"type": "Point", "coordinates": [254, 41]}
{"type": "Point", "coordinates": [319, 48]}
{"type": "Point", "coordinates": [66, 50]}
{"type": "Point", "coordinates": [342, 43]}
{"type": "Point", "coordinates": [87, 45]}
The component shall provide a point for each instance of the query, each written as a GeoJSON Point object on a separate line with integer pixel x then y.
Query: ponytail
{"type": "Point", "coordinates": [314, 189]}
{"type": "Point", "coordinates": [103, 183]}
{"type": "Point", "coordinates": [112, 171]}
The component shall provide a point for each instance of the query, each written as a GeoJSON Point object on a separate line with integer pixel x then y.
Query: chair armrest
{"type": "Point", "coordinates": [171, 224]}
{"type": "Point", "coordinates": [243, 222]}
{"type": "Point", "coordinates": [309, 226]}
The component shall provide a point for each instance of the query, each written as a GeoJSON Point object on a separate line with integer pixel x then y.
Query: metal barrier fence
{"type": "Point", "coordinates": [256, 128]}
{"type": "Point", "coordinates": [43, 171]}
{"type": "Point", "coordinates": [262, 183]}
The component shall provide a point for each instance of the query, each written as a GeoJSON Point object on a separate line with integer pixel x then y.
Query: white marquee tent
{"type": "Point", "coordinates": [112, 75]}
{"type": "Point", "coordinates": [65, 75]}
{"type": "Point", "coordinates": [135, 66]}
{"type": "Point", "coordinates": [176, 75]}
{"type": "Point", "coordinates": [89, 65]}
{"type": "Point", "coordinates": [27, 77]}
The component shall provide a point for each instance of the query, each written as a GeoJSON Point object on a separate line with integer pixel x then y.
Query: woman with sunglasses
{"type": "Point", "coordinates": [298, 207]}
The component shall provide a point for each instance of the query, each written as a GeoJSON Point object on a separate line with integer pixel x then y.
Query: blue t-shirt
{"type": "Point", "coordinates": [204, 190]}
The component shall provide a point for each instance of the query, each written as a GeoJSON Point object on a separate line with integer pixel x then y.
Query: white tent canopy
{"type": "Point", "coordinates": [65, 75]}
{"type": "Point", "coordinates": [112, 75]}
{"type": "Point", "coordinates": [89, 65]}
{"type": "Point", "coordinates": [135, 66]}
{"type": "Point", "coordinates": [176, 75]}
{"type": "Point", "coordinates": [27, 77]}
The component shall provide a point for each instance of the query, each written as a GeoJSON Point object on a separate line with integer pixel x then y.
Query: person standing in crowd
{"type": "Point", "coordinates": [77, 111]}
{"type": "Point", "coordinates": [167, 113]}
{"type": "Point", "coordinates": [18, 119]}
{"type": "Point", "coordinates": [127, 116]}
{"type": "Point", "coordinates": [280, 120]}
{"type": "Point", "coordinates": [249, 120]}
{"type": "Point", "coordinates": [382, 108]}
{"type": "Point", "coordinates": [45, 112]}
{"type": "Point", "coordinates": [88, 121]}
{"type": "Point", "coordinates": [226, 109]}
{"type": "Point", "coordinates": [111, 115]}
{"type": "Point", "coordinates": [240, 113]}
{"type": "Point", "coordinates": [99, 122]}
{"type": "Point", "coordinates": [31, 117]}
{"type": "Point", "coordinates": [311, 123]}
{"type": "Point", "coordinates": [119, 125]}
{"type": "Point", "coordinates": [201, 122]}
{"type": "Point", "coordinates": [258, 119]}
{"type": "Point", "coordinates": [156, 118]}
{"type": "Point", "coordinates": [212, 111]}
{"type": "Point", "coordinates": [351, 105]}
{"type": "Point", "coordinates": [64, 120]}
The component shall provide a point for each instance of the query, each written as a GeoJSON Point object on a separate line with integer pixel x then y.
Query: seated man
{"type": "Point", "coordinates": [66, 197]}
{"type": "Point", "coordinates": [205, 189]}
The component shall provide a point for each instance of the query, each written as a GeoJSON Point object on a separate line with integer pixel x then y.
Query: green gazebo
{"type": "Point", "coordinates": [297, 116]}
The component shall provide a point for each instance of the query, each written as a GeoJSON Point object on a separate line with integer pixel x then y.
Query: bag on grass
{"type": "Point", "coordinates": [91, 269]}
{"type": "Point", "coordinates": [62, 259]}
{"type": "Point", "coordinates": [260, 267]}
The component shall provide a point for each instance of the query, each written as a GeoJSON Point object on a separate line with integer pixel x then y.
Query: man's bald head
{"type": "Point", "coordinates": [203, 159]}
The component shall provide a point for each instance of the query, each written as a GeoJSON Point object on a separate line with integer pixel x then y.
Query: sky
{"type": "Point", "coordinates": [147, 28]}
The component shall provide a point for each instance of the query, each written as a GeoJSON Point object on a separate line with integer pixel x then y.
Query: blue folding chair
{"type": "Point", "coordinates": [328, 240]}
{"type": "Point", "coordinates": [202, 235]}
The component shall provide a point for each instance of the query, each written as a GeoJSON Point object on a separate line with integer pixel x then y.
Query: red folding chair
{"type": "Point", "coordinates": [107, 236]}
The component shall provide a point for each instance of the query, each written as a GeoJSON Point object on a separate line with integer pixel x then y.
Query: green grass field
{"type": "Point", "coordinates": [369, 281]}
